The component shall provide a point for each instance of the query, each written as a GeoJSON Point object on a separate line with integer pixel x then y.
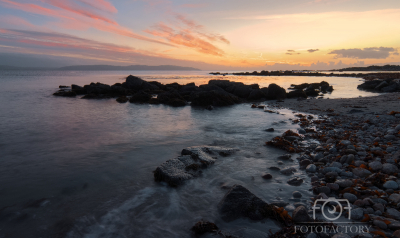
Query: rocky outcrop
{"type": "Point", "coordinates": [381, 85]}
{"type": "Point", "coordinates": [217, 93]}
{"type": "Point", "coordinates": [189, 164]}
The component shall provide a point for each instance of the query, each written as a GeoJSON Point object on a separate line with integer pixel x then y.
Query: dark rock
{"type": "Point", "coordinates": [62, 86]}
{"type": "Point", "coordinates": [140, 97]}
{"type": "Point", "coordinates": [369, 85]}
{"type": "Point", "coordinates": [300, 215]}
{"type": "Point", "coordinates": [213, 98]}
{"type": "Point", "coordinates": [267, 176]}
{"type": "Point", "coordinates": [202, 227]}
{"type": "Point", "coordinates": [256, 94]}
{"type": "Point", "coordinates": [276, 92]}
{"type": "Point", "coordinates": [122, 99]}
{"type": "Point", "coordinates": [240, 202]}
{"type": "Point", "coordinates": [176, 171]}
{"type": "Point", "coordinates": [270, 129]}
{"type": "Point", "coordinates": [296, 94]}
{"type": "Point", "coordinates": [136, 83]}
{"type": "Point", "coordinates": [274, 168]}
{"type": "Point", "coordinates": [63, 93]}
{"type": "Point", "coordinates": [295, 181]}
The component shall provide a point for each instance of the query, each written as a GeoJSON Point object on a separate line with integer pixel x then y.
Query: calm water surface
{"type": "Point", "coordinates": [83, 168]}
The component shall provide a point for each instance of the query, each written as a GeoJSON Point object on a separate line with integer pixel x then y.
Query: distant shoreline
{"type": "Point", "coordinates": [108, 68]}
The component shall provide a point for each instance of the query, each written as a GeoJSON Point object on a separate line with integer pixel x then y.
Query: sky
{"type": "Point", "coordinates": [210, 35]}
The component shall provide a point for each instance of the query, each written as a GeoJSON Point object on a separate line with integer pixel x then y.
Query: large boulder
{"type": "Point", "coordinates": [214, 98]}
{"type": "Point", "coordinates": [256, 94]}
{"type": "Point", "coordinates": [136, 83]}
{"type": "Point", "coordinates": [240, 202]}
{"type": "Point", "coordinates": [276, 92]}
{"type": "Point", "coordinates": [369, 85]}
{"type": "Point", "coordinates": [97, 88]}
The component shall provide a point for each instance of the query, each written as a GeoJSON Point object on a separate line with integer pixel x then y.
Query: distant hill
{"type": "Point", "coordinates": [372, 68]}
{"type": "Point", "coordinates": [105, 67]}
{"type": "Point", "coordinates": [131, 67]}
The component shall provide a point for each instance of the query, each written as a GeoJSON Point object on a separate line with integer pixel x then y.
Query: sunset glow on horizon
{"type": "Point", "coordinates": [292, 34]}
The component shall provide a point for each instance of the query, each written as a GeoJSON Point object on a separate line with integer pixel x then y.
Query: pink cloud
{"type": "Point", "coordinates": [185, 38]}
{"type": "Point", "coordinates": [71, 22]}
{"type": "Point", "coordinates": [101, 5]}
{"type": "Point", "coordinates": [78, 9]}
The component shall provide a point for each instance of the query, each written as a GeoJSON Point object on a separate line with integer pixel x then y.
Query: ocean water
{"type": "Point", "coordinates": [83, 168]}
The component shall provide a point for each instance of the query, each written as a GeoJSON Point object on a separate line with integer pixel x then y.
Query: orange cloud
{"type": "Point", "coordinates": [185, 38]}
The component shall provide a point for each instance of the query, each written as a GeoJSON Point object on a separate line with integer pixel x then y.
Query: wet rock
{"type": "Point", "coordinates": [391, 185]}
{"type": "Point", "coordinates": [396, 234]}
{"type": "Point", "coordinates": [300, 214]}
{"type": "Point", "coordinates": [284, 157]}
{"type": "Point", "coordinates": [206, 154]}
{"type": "Point", "coordinates": [378, 207]}
{"type": "Point", "coordinates": [389, 168]}
{"type": "Point", "coordinates": [375, 165]}
{"type": "Point", "coordinates": [140, 97]}
{"type": "Point", "coordinates": [341, 235]}
{"type": "Point", "coordinates": [394, 213]}
{"type": "Point", "coordinates": [295, 181]}
{"type": "Point", "coordinates": [276, 92]}
{"type": "Point", "coordinates": [213, 98]}
{"type": "Point", "coordinates": [122, 99]}
{"type": "Point", "coordinates": [395, 198]}
{"type": "Point", "coordinates": [270, 129]}
{"type": "Point", "coordinates": [360, 172]}
{"type": "Point", "coordinates": [357, 214]}
{"type": "Point", "coordinates": [296, 194]}
{"type": "Point", "coordinates": [351, 197]}
{"type": "Point", "coordinates": [202, 227]}
{"type": "Point", "coordinates": [136, 83]}
{"type": "Point", "coordinates": [248, 233]}
{"type": "Point", "coordinates": [324, 189]}
{"type": "Point", "coordinates": [333, 186]}
{"type": "Point", "coordinates": [305, 162]}
{"type": "Point", "coordinates": [288, 171]}
{"type": "Point", "coordinates": [240, 202]}
{"type": "Point", "coordinates": [274, 168]}
{"type": "Point", "coordinates": [267, 176]}
{"type": "Point", "coordinates": [63, 93]}
{"type": "Point", "coordinates": [311, 168]}
{"type": "Point", "coordinates": [176, 171]}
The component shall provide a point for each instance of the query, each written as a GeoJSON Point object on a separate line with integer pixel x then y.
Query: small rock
{"type": "Point", "coordinates": [375, 166]}
{"type": "Point", "coordinates": [295, 181]}
{"type": "Point", "coordinates": [389, 168]}
{"type": "Point", "coordinates": [380, 224]}
{"type": "Point", "coordinates": [270, 129]}
{"type": "Point", "coordinates": [297, 194]}
{"type": "Point", "coordinates": [311, 168]}
{"type": "Point", "coordinates": [378, 207]}
{"type": "Point", "coordinates": [360, 172]}
{"type": "Point", "coordinates": [391, 185]}
{"type": "Point", "coordinates": [396, 234]}
{"type": "Point", "coordinates": [267, 176]}
{"type": "Point", "coordinates": [284, 157]}
{"type": "Point", "coordinates": [393, 213]}
{"type": "Point", "coordinates": [349, 196]}
{"type": "Point", "coordinates": [357, 214]}
{"type": "Point", "coordinates": [394, 198]}
{"type": "Point", "coordinates": [300, 214]}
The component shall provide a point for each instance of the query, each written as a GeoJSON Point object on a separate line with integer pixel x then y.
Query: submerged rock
{"type": "Point", "coordinates": [202, 227]}
{"type": "Point", "coordinates": [189, 164]}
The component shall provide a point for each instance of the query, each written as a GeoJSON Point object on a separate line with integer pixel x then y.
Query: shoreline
{"type": "Point", "coordinates": [356, 159]}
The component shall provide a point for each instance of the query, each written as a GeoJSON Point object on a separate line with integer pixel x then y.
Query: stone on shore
{"type": "Point", "coordinates": [300, 215]}
{"type": "Point", "coordinates": [240, 202]}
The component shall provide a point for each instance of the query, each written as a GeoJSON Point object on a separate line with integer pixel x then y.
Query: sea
{"type": "Point", "coordinates": [71, 167]}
